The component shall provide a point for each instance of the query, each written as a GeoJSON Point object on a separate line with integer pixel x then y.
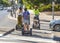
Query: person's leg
{"type": "Point", "coordinates": [28, 25]}
{"type": "Point", "coordinates": [25, 27]}
{"type": "Point", "coordinates": [24, 23]}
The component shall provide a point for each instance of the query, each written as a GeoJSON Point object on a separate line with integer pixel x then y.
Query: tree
{"type": "Point", "coordinates": [1, 1]}
{"type": "Point", "coordinates": [35, 2]}
{"type": "Point", "coordinates": [5, 2]}
{"type": "Point", "coordinates": [42, 4]}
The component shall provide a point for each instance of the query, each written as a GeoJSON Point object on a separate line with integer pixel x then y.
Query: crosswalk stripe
{"type": "Point", "coordinates": [28, 39]}
{"type": "Point", "coordinates": [43, 31]}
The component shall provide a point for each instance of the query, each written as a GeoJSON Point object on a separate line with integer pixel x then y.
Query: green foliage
{"type": "Point", "coordinates": [57, 7]}
{"type": "Point", "coordinates": [1, 1]}
{"type": "Point", "coordinates": [5, 2]}
{"type": "Point", "coordinates": [45, 7]}
{"type": "Point", "coordinates": [32, 3]}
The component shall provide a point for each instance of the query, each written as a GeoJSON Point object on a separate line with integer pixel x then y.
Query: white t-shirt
{"type": "Point", "coordinates": [20, 14]}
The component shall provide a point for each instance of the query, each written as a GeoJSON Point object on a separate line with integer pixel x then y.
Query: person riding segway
{"type": "Point", "coordinates": [36, 22]}
{"type": "Point", "coordinates": [26, 23]}
{"type": "Point", "coordinates": [19, 19]}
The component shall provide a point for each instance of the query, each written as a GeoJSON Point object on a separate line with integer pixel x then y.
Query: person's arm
{"type": "Point", "coordinates": [22, 16]}
{"type": "Point", "coordinates": [29, 13]}
{"type": "Point", "coordinates": [17, 12]}
{"type": "Point", "coordinates": [39, 11]}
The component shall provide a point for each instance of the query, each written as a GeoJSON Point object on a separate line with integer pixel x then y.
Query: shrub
{"type": "Point", "coordinates": [57, 7]}
{"type": "Point", "coordinates": [45, 8]}
{"type": "Point", "coordinates": [49, 8]}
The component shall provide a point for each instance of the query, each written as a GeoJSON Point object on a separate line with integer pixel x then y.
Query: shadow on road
{"type": "Point", "coordinates": [8, 32]}
{"type": "Point", "coordinates": [56, 38]}
{"type": "Point", "coordinates": [45, 20]}
{"type": "Point", "coordinates": [41, 32]}
{"type": "Point", "coordinates": [37, 36]}
{"type": "Point", "coordinates": [18, 41]}
{"type": "Point", "coordinates": [33, 35]}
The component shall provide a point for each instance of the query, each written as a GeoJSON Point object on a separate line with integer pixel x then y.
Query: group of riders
{"type": "Point", "coordinates": [24, 17]}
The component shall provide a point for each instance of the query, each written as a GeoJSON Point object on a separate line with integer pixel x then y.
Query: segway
{"type": "Point", "coordinates": [36, 23]}
{"type": "Point", "coordinates": [27, 31]}
{"type": "Point", "coordinates": [19, 23]}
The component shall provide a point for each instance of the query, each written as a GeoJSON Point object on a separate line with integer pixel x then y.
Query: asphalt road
{"type": "Point", "coordinates": [39, 36]}
{"type": "Point", "coordinates": [5, 21]}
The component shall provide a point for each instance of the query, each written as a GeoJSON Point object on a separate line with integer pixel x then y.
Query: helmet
{"type": "Point", "coordinates": [20, 8]}
{"type": "Point", "coordinates": [25, 9]}
{"type": "Point", "coordinates": [35, 7]}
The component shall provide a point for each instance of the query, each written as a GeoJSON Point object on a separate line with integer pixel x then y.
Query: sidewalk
{"type": "Point", "coordinates": [44, 16]}
{"type": "Point", "coordinates": [47, 16]}
{"type": "Point", "coordinates": [56, 13]}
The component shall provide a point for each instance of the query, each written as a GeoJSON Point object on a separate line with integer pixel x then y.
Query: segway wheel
{"type": "Point", "coordinates": [39, 26]}
{"type": "Point", "coordinates": [22, 31]}
{"type": "Point", "coordinates": [34, 26]}
{"type": "Point", "coordinates": [17, 27]}
{"type": "Point", "coordinates": [30, 32]}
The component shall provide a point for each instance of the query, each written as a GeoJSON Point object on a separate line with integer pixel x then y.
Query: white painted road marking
{"type": "Point", "coordinates": [28, 39]}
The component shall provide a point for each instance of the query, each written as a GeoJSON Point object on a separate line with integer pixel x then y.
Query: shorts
{"type": "Point", "coordinates": [36, 17]}
{"type": "Point", "coordinates": [26, 21]}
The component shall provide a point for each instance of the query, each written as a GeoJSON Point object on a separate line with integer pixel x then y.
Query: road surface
{"type": "Point", "coordinates": [39, 36]}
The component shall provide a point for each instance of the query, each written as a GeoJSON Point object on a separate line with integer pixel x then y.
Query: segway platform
{"type": "Point", "coordinates": [27, 32]}
{"type": "Point", "coordinates": [36, 23]}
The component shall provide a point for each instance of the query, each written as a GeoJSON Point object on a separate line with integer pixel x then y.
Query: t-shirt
{"type": "Point", "coordinates": [26, 15]}
{"type": "Point", "coordinates": [21, 14]}
{"type": "Point", "coordinates": [36, 12]}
